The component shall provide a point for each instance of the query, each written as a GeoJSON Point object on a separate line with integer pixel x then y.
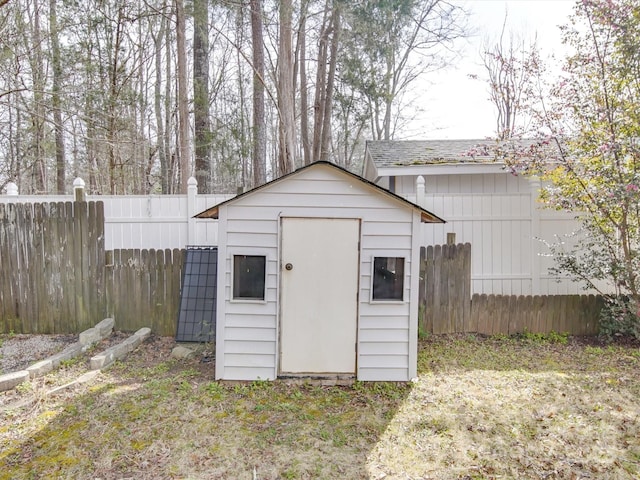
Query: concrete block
{"type": "Point", "coordinates": [105, 327]}
{"type": "Point", "coordinates": [40, 368]}
{"type": "Point", "coordinates": [10, 380]}
{"type": "Point", "coordinates": [143, 333]}
{"type": "Point", "coordinates": [128, 346]}
{"type": "Point", "coordinates": [68, 353]}
{"type": "Point", "coordinates": [102, 360]}
{"type": "Point", "coordinates": [119, 351]}
{"type": "Point", "coordinates": [89, 336]}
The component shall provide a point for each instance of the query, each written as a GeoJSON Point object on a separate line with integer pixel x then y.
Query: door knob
{"type": "Point", "coordinates": [288, 266]}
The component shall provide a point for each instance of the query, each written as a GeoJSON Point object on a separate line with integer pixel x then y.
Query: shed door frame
{"type": "Point", "coordinates": [347, 343]}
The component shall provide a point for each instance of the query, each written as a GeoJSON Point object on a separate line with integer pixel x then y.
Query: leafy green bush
{"type": "Point", "coordinates": [619, 317]}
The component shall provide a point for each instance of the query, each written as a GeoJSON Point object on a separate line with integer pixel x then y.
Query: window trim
{"type": "Point", "coordinates": [395, 301]}
{"type": "Point", "coordinates": [251, 253]}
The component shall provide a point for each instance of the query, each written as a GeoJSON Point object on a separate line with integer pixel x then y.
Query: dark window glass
{"type": "Point", "coordinates": [248, 276]}
{"type": "Point", "coordinates": [388, 278]}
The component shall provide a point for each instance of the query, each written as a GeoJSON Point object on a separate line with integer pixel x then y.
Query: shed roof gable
{"type": "Point", "coordinates": [425, 215]}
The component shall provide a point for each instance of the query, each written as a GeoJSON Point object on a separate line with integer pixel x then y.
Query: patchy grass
{"type": "Point", "coordinates": [514, 407]}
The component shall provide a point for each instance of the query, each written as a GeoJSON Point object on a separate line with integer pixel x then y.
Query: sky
{"type": "Point", "coordinates": [457, 106]}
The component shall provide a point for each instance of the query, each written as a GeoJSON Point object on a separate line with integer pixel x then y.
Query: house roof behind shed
{"type": "Point", "coordinates": [398, 153]}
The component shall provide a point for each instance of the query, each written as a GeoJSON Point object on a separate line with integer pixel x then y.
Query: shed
{"type": "Point", "coordinates": [318, 275]}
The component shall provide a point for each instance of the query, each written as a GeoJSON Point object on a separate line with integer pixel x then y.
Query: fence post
{"type": "Point", "coordinates": [192, 192]}
{"type": "Point", "coordinates": [12, 189]}
{"type": "Point", "coordinates": [420, 190]}
{"type": "Point", "coordinates": [78, 190]}
{"type": "Point", "coordinates": [451, 238]}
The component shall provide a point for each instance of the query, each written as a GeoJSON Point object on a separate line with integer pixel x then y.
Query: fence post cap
{"type": "Point", "coordinates": [12, 188]}
{"type": "Point", "coordinates": [420, 180]}
{"type": "Point", "coordinates": [192, 182]}
{"type": "Point", "coordinates": [78, 183]}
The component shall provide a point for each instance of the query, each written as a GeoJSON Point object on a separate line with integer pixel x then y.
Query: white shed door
{"type": "Point", "coordinates": [319, 295]}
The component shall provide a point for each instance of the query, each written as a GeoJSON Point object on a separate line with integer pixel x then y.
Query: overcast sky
{"type": "Point", "coordinates": [457, 106]}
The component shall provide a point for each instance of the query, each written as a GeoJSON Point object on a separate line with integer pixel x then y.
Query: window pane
{"type": "Point", "coordinates": [248, 276]}
{"type": "Point", "coordinates": [388, 278]}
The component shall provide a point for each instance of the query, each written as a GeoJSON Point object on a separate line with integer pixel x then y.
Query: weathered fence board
{"type": "Point", "coordinates": [447, 305]}
{"type": "Point", "coordinates": [143, 289]}
{"type": "Point", "coordinates": [510, 314]}
{"type": "Point", "coordinates": [446, 285]}
{"type": "Point", "coordinates": [50, 259]}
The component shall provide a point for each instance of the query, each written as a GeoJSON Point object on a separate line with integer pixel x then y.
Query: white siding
{"type": "Point", "coordinates": [248, 332]}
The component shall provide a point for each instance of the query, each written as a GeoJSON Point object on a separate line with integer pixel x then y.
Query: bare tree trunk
{"type": "Point", "coordinates": [55, 98]}
{"type": "Point", "coordinates": [168, 123]}
{"type": "Point", "coordinates": [327, 55]}
{"type": "Point", "coordinates": [328, 98]}
{"type": "Point", "coordinates": [157, 105]}
{"type": "Point", "coordinates": [318, 102]}
{"type": "Point", "coordinates": [286, 93]}
{"type": "Point", "coordinates": [201, 121]}
{"type": "Point", "coordinates": [38, 115]}
{"type": "Point", "coordinates": [92, 150]}
{"type": "Point", "coordinates": [182, 100]}
{"type": "Point", "coordinates": [259, 165]}
{"type": "Point", "coordinates": [115, 166]}
{"type": "Point", "coordinates": [304, 100]}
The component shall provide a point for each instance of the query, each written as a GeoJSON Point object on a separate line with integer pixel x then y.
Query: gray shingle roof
{"type": "Point", "coordinates": [396, 153]}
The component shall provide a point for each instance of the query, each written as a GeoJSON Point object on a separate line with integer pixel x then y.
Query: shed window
{"type": "Point", "coordinates": [249, 276]}
{"type": "Point", "coordinates": [388, 278]}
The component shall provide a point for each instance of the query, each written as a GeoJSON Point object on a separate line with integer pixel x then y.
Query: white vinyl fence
{"type": "Point", "coordinates": [148, 221]}
{"type": "Point", "coordinates": [505, 231]}
{"type": "Point", "coordinates": [508, 233]}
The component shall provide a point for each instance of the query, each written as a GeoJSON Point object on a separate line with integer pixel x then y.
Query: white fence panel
{"type": "Point", "coordinates": [148, 221]}
{"type": "Point", "coordinates": [507, 233]}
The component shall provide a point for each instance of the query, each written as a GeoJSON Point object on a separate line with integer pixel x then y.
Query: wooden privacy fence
{"type": "Point", "coordinates": [56, 277]}
{"type": "Point", "coordinates": [143, 288]}
{"type": "Point", "coordinates": [509, 314]}
{"type": "Point", "coordinates": [51, 266]}
{"type": "Point", "coordinates": [448, 307]}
